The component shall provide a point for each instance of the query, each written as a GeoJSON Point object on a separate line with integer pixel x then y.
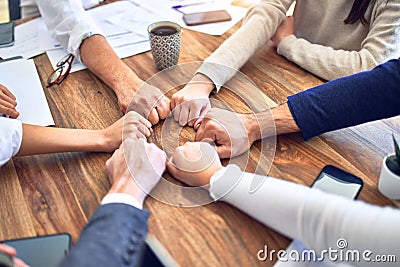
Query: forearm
{"type": "Point", "coordinates": [276, 121]}
{"type": "Point", "coordinates": [258, 26]}
{"type": "Point", "coordinates": [233, 186]}
{"type": "Point", "coordinates": [348, 101]}
{"type": "Point", "coordinates": [316, 218]}
{"type": "Point", "coordinates": [41, 140]}
{"type": "Point", "coordinates": [207, 83]}
{"type": "Point", "coordinates": [107, 65]}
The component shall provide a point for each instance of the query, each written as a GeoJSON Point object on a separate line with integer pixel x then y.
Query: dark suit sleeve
{"type": "Point", "coordinates": [348, 101]}
{"type": "Point", "coordinates": [114, 236]}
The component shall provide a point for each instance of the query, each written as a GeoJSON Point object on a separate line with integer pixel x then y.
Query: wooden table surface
{"type": "Point", "coordinates": [49, 194]}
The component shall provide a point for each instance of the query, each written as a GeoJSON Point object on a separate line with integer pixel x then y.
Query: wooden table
{"type": "Point", "coordinates": [57, 193]}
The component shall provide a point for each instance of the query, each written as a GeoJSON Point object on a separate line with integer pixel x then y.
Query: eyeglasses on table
{"type": "Point", "coordinates": [62, 71]}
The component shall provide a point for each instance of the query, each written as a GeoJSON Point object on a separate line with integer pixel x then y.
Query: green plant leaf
{"type": "Point", "coordinates": [396, 149]}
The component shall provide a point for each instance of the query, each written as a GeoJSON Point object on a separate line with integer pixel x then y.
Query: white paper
{"type": "Point", "coordinates": [46, 41]}
{"type": "Point", "coordinates": [135, 19]}
{"type": "Point", "coordinates": [122, 51]}
{"type": "Point", "coordinates": [26, 43]}
{"type": "Point", "coordinates": [165, 10]}
{"type": "Point", "coordinates": [101, 13]}
{"type": "Point", "coordinates": [21, 78]}
{"type": "Point", "coordinates": [122, 39]}
{"type": "Point", "coordinates": [125, 39]}
{"type": "Point", "coordinates": [55, 55]}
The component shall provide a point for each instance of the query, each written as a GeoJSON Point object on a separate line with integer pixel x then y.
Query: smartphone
{"type": "Point", "coordinates": [332, 180]}
{"type": "Point", "coordinates": [6, 34]}
{"type": "Point", "coordinates": [41, 251]}
{"type": "Point", "coordinates": [192, 19]}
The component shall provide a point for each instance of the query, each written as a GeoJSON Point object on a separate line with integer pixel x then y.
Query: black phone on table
{"type": "Point", "coordinates": [48, 250]}
{"type": "Point", "coordinates": [6, 34]}
{"type": "Point", "coordinates": [332, 180]}
{"type": "Point", "coordinates": [192, 19]}
{"type": "Point", "coordinates": [337, 181]}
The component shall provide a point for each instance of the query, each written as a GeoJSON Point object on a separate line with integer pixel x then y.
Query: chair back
{"type": "Point", "coordinates": [15, 10]}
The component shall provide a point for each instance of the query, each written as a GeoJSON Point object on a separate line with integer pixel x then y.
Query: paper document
{"type": "Point", "coordinates": [21, 78]}
{"type": "Point", "coordinates": [125, 35]}
{"type": "Point", "coordinates": [122, 51]}
{"type": "Point", "coordinates": [135, 19]}
{"type": "Point", "coordinates": [165, 10]}
{"type": "Point", "coordinates": [32, 38]}
{"type": "Point", "coordinates": [26, 43]}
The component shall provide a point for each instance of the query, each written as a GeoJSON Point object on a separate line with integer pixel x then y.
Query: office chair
{"type": "Point", "coordinates": [15, 11]}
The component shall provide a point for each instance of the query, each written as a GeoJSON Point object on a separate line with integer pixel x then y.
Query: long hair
{"type": "Point", "coordinates": [357, 12]}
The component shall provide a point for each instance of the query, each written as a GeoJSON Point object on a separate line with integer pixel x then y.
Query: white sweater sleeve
{"type": "Point", "coordinates": [10, 139]}
{"type": "Point", "coordinates": [258, 26]}
{"type": "Point", "coordinates": [68, 22]}
{"type": "Point", "coordinates": [316, 218]}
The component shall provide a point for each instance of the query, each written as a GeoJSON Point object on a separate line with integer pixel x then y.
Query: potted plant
{"type": "Point", "coordinates": [389, 180]}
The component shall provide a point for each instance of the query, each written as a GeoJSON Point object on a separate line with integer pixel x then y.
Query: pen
{"type": "Point", "coordinates": [192, 4]}
{"type": "Point", "coordinates": [9, 59]}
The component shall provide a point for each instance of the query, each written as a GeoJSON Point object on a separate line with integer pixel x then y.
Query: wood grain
{"type": "Point", "coordinates": [58, 193]}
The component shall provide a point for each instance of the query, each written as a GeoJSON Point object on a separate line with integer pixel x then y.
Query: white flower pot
{"type": "Point", "coordinates": [389, 183]}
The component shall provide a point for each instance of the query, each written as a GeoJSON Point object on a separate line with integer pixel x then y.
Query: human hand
{"type": "Point", "coordinates": [8, 103]}
{"type": "Point", "coordinates": [151, 103]}
{"type": "Point", "coordinates": [135, 168]}
{"type": "Point", "coordinates": [194, 163]}
{"type": "Point", "coordinates": [285, 29]}
{"type": "Point", "coordinates": [190, 104]}
{"type": "Point", "coordinates": [132, 125]}
{"type": "Point", "coordinates": [10, 251]}
{"type": "Point", "coordinates": [233, 133]}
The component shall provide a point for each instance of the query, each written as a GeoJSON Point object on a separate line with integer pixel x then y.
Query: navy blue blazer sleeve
{"type": "Point", "coordinates": [348, 101]}
{"type": "Point", "coordinates": [114, 236]}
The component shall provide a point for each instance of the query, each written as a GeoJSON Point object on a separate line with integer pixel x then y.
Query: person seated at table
{"type": "Point", "coordinates": [316, 218]}
{"type": "Point", "coordinates": [344, 102]}
{"type": "Point", "coordinates": [330, 39]}
{"type": "Point", "coordinates": [75, 30]}
{"type": "Point", "coordinates": [115, 235]}
{"type": "Point", "coordinates": [8, 103]}
{"type": "Point", "coordinates": [20, 139]}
